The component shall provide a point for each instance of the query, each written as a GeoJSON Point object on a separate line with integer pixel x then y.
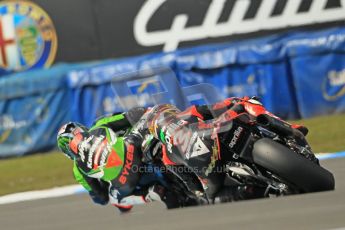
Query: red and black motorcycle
{"type": "Point", "coordinates": [263, 152]}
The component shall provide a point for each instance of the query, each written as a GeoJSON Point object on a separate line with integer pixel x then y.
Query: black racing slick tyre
{"type": "Point", "coordinates": [291, 167]}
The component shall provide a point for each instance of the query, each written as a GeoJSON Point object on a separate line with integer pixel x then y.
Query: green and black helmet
{"type": "Point", "coordinates": [66, 134]}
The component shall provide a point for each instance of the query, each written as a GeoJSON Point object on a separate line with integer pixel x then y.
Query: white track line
{"type": "Point", "coordinates": [48, 193]}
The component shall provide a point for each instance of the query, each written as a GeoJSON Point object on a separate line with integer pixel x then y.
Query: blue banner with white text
{"type": "Point", "coordinates": [296, 75]}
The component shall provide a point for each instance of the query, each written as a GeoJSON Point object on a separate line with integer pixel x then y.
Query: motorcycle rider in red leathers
{"type": "Point", "coordinates": [198, 138]}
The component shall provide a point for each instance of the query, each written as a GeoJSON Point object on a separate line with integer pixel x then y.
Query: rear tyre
{"type": "Point", "coordinates": [295, 169]}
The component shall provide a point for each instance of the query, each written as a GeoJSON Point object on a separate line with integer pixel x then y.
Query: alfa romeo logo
{"type": "Point", "coordinates": [27, 36]}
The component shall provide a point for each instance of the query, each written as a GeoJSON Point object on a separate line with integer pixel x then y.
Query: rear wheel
{"type": "Point", "coordinates": [295, 169]}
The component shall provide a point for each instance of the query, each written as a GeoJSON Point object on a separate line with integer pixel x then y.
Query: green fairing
{"type": "Point", "coordinates": [80, 178]}
{"type": "Point", "coordinates": [106, 120]}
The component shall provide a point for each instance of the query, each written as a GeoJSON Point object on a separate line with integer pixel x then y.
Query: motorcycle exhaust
{"type": "Point", "coordinates": [275, 125]}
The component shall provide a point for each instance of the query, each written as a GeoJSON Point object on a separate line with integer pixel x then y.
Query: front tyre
{"type": "Point", "coordinates": [291, 167]}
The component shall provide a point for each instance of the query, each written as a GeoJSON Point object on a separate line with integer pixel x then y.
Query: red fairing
{"type": "Point", "coordinates": [254, 109]}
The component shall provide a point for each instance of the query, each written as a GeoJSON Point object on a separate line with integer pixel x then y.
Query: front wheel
{"type": "Point", "coordinates": [291, 167]}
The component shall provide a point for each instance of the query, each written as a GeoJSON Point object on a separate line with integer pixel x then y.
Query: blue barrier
{"type": "Point", "coordinates": [296, 75]}
{"type": "Point", "coordinates": [322, 92]}
{"type": "Point", "coordinates": [276, 92]}
{"type": "Point", "coordinates": [33, 105]}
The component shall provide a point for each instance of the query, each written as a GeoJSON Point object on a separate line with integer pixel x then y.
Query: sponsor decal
{"type": "Point", "coordinates": [199, 148]}
{"type": "Point", "coordinates": [236, 136]}
{"type": "Point", "coordinates": [27, 36]}
{"type": "Point", "coordinates": [82, 154]}
{"type": "Point", "coordinates": [180, 136]}
{"type": "Point", "coordinates": [333, 86]}
{"type": "Point", "coordinates": [95, 146]}
{"type": "Point", "coordinates": [128, 164]}
{"type": "Point", "coordinates": [220, 20]}
{"type": "Point", "coordinates": [168, 141]}
{"type": "Point", "coordinates": [83, 147]}
{"type": "Point", "coordinates": [104, 155]}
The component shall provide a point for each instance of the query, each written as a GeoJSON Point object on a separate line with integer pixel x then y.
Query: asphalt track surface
{"type": "Point", "coordinates": [324, 210]}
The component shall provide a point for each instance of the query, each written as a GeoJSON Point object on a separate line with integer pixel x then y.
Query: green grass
{"type": "Point", "coordinates": [35, 172]}
{"type": "Point", "coordinates": [40, 171]}
{"type": "Point", "coordinates": [326, 134]}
